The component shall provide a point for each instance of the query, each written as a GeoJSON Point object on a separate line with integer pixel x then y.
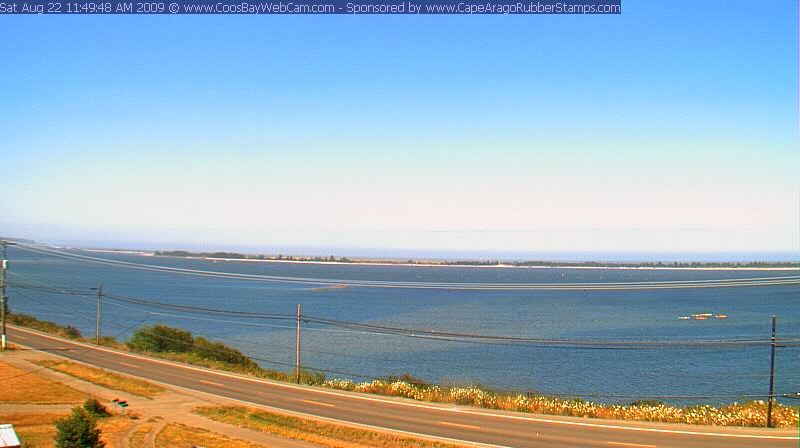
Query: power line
{"type": "Point", "coordinates": [82, 294]}
{"type": "Point", "coordinates": [38, 284]}
{"type": "Point", "coordinates": [250, 343]}
{"type": "Point", "coordinates": [495, 390]}
{"type": "Point", "coordinates": [373, 376]}
{"type": "Point", "coordinates": [589, 343]}
{"type": "Point", "coordinates": [445, 335]}
{"type": "Point", "coordinates": [3, 297]}
{"type": "Point", "coordinates": [194, 309]}
{"type": "Point", "coordinates": [584, 395]}
{"type": "Point", "coordinates": [356, 327]}
{"type": "Point", "coordinates": [547, 394]}
{"type": "Point", "coordinates": [61, 310]}
{"type": "Point", "coordinates": [155, 304]}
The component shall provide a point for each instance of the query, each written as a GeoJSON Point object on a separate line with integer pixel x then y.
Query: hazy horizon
{"type": "Point", "coordinates": [433, 254]}
{"type": "Point", "coordinates": [670, 128]}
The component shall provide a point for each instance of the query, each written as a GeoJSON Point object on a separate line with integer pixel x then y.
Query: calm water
{"type": "Point", "coordinates": [547, 314]}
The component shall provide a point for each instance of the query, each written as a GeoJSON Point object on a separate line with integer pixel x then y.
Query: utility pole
{"type": "Point", "coordinates": [297, 344]}
{"type": "Point", "coordinates": [771, 374]}
{"type": "Point", "coordinates": [3, 297]}
{"type": "Point", "coordinates": [97, 321]}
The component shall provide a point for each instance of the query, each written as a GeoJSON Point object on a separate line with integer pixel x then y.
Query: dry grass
{"type": "Point", "coordinates": [323, 434]}
{"type": "Point", "coordinates": [18, 385]}
{"type": "Point", "coordinates": [179, 436]}
{"type": "Point", "coordinates": [35, 429]}
{"type": "Point", "coordinates": [139, 436]}
{"type": "Point", "coordinates": [113, 429]}
{"type": "Point", "coordinates": [38, 430]}
{"type": "Point", "coordinates": [104, 378]}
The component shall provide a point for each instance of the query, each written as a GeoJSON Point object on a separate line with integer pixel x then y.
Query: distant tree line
{"type": "Point", "coordinates": [585, 264]}
{"type": "Point", "coordinates": [238, 256]}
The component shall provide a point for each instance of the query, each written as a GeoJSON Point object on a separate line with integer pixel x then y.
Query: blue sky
{"type": "Point", "coordinates": [672, 127]}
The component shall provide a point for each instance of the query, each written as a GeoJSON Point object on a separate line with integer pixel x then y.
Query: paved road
{"type": "Point", "coordinates": [464, 424]}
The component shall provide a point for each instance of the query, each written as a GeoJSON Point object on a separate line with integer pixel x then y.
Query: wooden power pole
{"type": "Point", "coordinates": [297, 344]}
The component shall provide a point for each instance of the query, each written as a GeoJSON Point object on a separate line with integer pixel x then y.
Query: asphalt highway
{"type": "Point", "coordinates": [461, 424]}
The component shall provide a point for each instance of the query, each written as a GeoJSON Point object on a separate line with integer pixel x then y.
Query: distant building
{"type": "Point", "coordinates": [8, 438]}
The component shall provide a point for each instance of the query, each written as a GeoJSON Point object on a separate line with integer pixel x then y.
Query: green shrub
{"type": "Point", "coordinates": [217, 351]}
{"type": "Point", "coordinates": [72, 332]}
{"type": "Point", "coordinates": [95, 408]}
{"type": "Point", "coordinates": [179, 344]}
{"type": "Point", "coordinates": [25, 320]}
{"type": "Point", "coordinates": [78, 430]}
{"type": "Point", "coordinates": [161, 338]}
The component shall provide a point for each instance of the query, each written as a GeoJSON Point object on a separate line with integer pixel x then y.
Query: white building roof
{"type": "Point", "coordinates": [8, 438]}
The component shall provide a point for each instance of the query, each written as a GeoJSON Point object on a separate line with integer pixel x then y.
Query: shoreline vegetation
{"type": "Point", "coordinates": [440, 262]}
{"type": "Point", "coordinates": [331, 259]}
{"type": "Point", "coordinates": [180, 345]}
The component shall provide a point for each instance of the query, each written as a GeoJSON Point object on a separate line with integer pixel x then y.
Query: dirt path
{"type": "Point", "coordinates": [48, 408]}
{"type": "Point", "coordinates": [150, 440]}
{"type": "Point", "coordinates": [125, 440]}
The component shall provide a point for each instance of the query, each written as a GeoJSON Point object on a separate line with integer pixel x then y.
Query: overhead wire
{"type": "Point", "coordinates": [448, 336]}
{"type": "Point", "coordinates": [496, 390]}
{"type": "Point", "coordinates": [361, 328]}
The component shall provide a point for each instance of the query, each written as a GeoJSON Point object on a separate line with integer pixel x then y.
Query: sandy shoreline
{"type": "Point", "coordinates": [439, 265]}
{"type": "Point", "coordinates": [503, 266]}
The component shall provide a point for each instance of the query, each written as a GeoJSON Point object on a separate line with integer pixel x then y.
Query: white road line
{"type": "Point", "coordinates": [419, 405]}
{"type": "Point", "coordinates": [335, 421]}
{"type": "Point", "coordinates": [459, 425]}
{"type": "Point", "coordinates": [318, 403]}
{"type": "Point", "coordinates": [636, 445]}
{"type": "Point", "coordinates": [128, 364]}
{"type": "Point", "coordinates": [211, 383]}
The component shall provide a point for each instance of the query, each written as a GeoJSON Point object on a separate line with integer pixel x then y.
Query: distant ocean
{"type": "Point", "coordinates": [499, 255]}
{"type": "Point", "coordinates": [712, 374]}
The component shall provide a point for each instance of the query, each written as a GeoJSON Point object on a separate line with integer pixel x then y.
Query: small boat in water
{"type": "Point", "coordinates": [703, 316]}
